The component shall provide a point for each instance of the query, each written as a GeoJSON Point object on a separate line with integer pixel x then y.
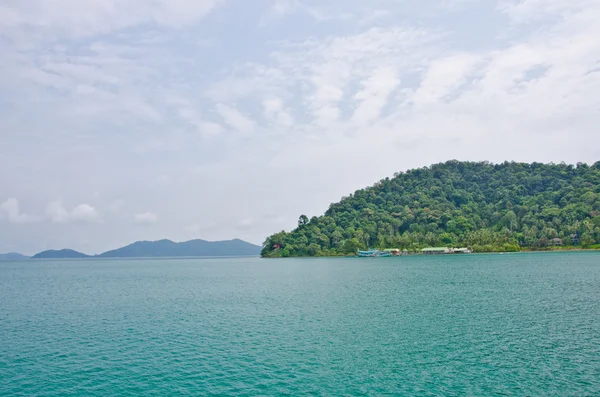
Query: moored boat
{"type": "Point", "coordinates": [373, 253]}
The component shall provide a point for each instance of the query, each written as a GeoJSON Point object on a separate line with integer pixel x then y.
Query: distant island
{"type": "Point", "coordinates": [164, 248]}
{"type": "Point", "coordinates": [13, 256]}
{"type": "Point", "coordinates": [55, 254]}
{"type": "Point", "coordinates": [486, 207]}
{"type": "Point", "coordinates": [168, 248]}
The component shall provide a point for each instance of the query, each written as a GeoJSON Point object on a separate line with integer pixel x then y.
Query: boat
{"type": "Point", "coordinates": [373, 253]}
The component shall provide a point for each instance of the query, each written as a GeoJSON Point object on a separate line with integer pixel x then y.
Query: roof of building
{"type": "Point", "coordinates": [435, 249]}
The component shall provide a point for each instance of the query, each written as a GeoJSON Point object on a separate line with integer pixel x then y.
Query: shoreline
{"type": "Point", "coordinates": [418, 253]}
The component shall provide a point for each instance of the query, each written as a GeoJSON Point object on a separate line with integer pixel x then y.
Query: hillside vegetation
{"type": "Point", "coordinates": [488, 207]}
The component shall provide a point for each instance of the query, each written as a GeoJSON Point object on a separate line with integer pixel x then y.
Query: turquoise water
{"type": "Point", "coordinates": [474, 325]}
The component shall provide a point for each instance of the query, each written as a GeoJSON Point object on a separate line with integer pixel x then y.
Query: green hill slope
{"type": "Point", "coordinates": [489, 207]}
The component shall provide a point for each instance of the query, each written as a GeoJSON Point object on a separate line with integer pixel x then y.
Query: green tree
{"type": "Point", "coordinates": [351, 246]}
{"type": "Point", "coordinates": [510, 220]}
{"type": "Point", "coordinates": [313, 249]}
{"type": "Point", "coordinates": [587, 240]}
{"type": "Point", "coordinates": [302, 221]}
{"type": "Point", "coordinates": [337, 238]}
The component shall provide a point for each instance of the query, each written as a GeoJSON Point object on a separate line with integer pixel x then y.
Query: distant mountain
{"type": "Point", "coordinates": [168, 248]}
{"type": "Point", "coordinates": [12, 256]}
{"type": "Point", "coordinates": [164, 248]}
{"type": "Point", "coordinates": [60, 254]}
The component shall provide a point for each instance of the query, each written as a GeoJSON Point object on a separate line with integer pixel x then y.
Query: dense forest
{"type": "Point", "coordinates": [487, 207]}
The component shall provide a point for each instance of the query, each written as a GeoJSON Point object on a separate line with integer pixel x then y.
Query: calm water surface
{"type": "Point", "coordinates": [475, 325]}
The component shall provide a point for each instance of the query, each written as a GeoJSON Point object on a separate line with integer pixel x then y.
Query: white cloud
{"type": "Point", "coordinates": [73, 18]}
{"type": "Point", "coordinates": [443, 76]}
{"type": "Point", "coordinates": [235, 119]}
{"type": "Point", "coordinates": [57, 212]}
{"type": "Point", "coordinates": [146, 218]}
{"type": "Point", "coordinates": [320, 75]}
{"type": "Point", "coordinates": [81, 213]}
{"type": "Point", "coordinates": [276, 113]}
{"type": "Point", "coordinates": [84, 213]}
{"type": "Point", "coordinates": [531, 10]}
{"type": "Point", "coordinates": [206, 128]}
{"type": "Point", "coordinates": [10, 210]}
{"type": "Point", "coordinates": [283, 7]}
{"type": "Point", "coordinates": [374, 94]}
{"type": "Point", "coordinates": [356, 12]}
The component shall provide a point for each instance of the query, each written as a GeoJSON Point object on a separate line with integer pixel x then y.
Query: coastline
{"type": "Point", "coordinates": [418, 253]}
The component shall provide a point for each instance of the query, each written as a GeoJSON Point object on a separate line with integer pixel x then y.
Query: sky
{"type": "Point", "coordinates": [125, 120]}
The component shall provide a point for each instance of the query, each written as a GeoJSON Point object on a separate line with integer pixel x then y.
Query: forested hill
{"type": "Point", "coordinates": [489, 207]}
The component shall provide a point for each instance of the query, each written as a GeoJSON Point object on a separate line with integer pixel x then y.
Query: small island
{"type": "Point", "coordinates": [13, 256]}
{"type": "Point", "coordinates": [486, 207]}
{"type": "Point", "coordinates": [60, 254]}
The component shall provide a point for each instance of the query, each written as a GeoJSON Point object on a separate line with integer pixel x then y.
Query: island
{"type": "Point", "coordinates": [168, 248]}
{"type": "Point", "coordinates": [480, 205]}
{"type": "Point", "coordinates": [163, 249]}
{"type": "Point", "coordinates": [13, 256]}
{"type": "Point", "coordinates": [60, 254]}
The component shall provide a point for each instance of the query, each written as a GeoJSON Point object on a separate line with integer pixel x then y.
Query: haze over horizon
{"type": "Point", "coordinates": [223, 119]}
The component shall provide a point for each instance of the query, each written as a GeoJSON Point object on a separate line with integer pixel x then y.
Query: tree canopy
{"type": "Point", "coordinates": [485, 206]}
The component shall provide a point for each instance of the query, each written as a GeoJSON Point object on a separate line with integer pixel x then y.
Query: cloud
{"type": "Point", "coordinates": [522, 11]}
{"type": "Point", "coordinates": [146, 218]}
{"type": "Point", "coordinates": [283, 7]}
{"type": "Point", "coordinates": [84, 213]}
{"type": "Point", "coordinates": [11, 211]}
{"type": "Point", "coordinates": [81, 213]}
{"type": "Point", "coordinates": [374, 95]}
{"type": "Point", "coordinates": [71, 18]}
{"type": "Point", "coordinates": [276, 113]}
{"type": "Point", "coordinates": [358, 13]}
{"type": "Point", "coordinates": [327, 70]}
{"type": "Point", "coordinates": [234, 118]}
{"type": "Point", "coordinates": [324, 99]}
{"type": "Point", "coordinates": [57, 212]}
{"type": "Point", "coordinates": [206, 128]}
{"type": "Point", "coordinates": [443, 76]}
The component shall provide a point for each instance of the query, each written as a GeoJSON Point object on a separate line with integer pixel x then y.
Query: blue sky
{"type": "Point", "coordinates": [217, 119]}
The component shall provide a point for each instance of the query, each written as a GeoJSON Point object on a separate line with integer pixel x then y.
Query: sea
{"type": "Point", "coordinates": [524, 324]}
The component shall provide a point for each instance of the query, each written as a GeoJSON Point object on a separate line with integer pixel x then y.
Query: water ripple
{"type": "Point", "coordinates": [482, 325]}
